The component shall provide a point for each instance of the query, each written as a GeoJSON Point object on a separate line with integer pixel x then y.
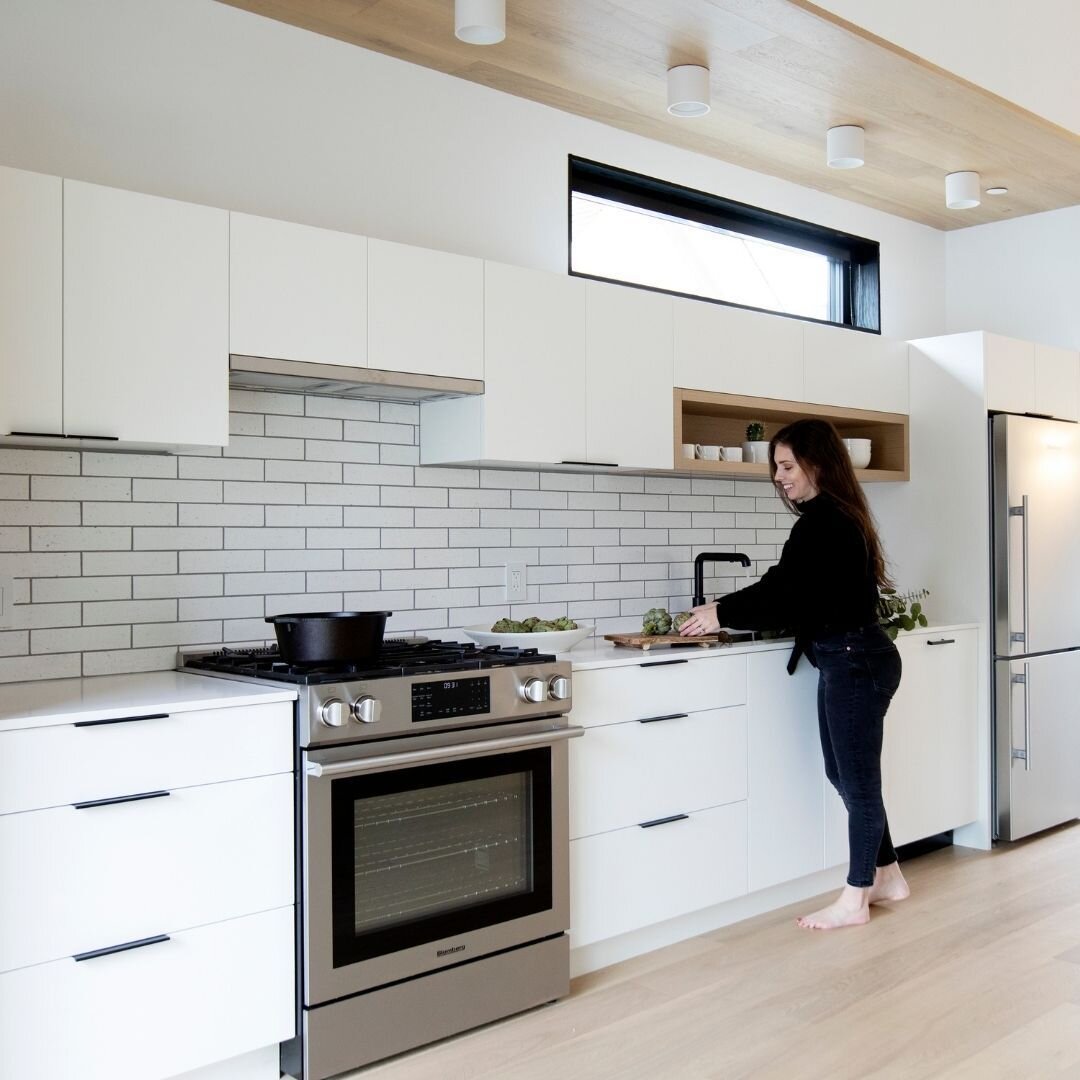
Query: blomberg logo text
{"type": "Point", "coordinates": [447, 952]}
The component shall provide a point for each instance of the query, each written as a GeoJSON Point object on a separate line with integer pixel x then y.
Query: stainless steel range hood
{"type": "Point", "coordinates": [337, 380]}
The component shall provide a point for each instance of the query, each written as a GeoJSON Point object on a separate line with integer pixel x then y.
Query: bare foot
{"type": "Point", "coordinates": [889, 884]}
{"type": "Point", "coordinates": [850, 908]}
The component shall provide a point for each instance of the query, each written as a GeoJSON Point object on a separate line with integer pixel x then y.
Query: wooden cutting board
{"type": "Point", "coordinates": [649, 641]}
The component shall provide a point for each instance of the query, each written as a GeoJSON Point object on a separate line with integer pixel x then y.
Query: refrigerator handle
{"type": "Point", "coordinates": [1023, 511]}
{"type": "Point", "coordinates": [1025, 679]}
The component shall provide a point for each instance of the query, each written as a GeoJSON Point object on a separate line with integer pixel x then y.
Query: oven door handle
{"type": "Point", "coordinates": [441, 753]}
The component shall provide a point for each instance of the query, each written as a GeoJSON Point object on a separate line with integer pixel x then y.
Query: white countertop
{"type": "Point", "coordinates": [595, 652]}
{"type": "Point", "coordinates": [102, 697]}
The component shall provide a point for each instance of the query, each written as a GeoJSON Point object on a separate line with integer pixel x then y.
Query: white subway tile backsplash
{"type": "Point", "coordinates": [320, 504]}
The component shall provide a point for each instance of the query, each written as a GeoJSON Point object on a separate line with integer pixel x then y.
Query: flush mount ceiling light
{"type": "Point", "coordinates": [962, 190]}
{"type": "Point", "coordinates": [480, 22]}
{"type": "Point", "coordinates": [844, 147]}
{"type": "Point", "coordinates": [688, 90]}
{"type": "Point", "coordinates": [997, 191]}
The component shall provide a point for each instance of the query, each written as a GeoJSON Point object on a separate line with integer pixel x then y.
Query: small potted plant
{"type": "Point", "coordinates": [894, 614]}
{"type": "Point", "coordinates": [756, 447]}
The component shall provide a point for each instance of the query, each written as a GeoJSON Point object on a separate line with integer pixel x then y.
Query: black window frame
{"type": "Point", "coordinates": [855, 260]}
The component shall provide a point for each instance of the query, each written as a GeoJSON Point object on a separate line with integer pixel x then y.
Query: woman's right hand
{"type": "Point", "coordinates": [702, 620]}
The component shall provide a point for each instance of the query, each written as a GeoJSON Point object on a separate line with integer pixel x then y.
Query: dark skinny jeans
{"type": "Point", "coordinates": [858, 673]}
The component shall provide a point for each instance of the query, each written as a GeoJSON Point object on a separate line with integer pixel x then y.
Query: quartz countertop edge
{"type": "Point", "coordinates": [52, 702]}
{"type": "Point", "coordinates": [595, 652]}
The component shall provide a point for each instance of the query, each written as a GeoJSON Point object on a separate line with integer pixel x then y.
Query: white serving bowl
{"type": "Point", "coordinates": [859, 450]}
{"type": "Point", "coordinates": [546, 641]}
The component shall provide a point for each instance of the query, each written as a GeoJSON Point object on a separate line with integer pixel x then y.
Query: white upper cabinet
{"type": "Point", "coordinates": [731, 351]}
{"type": "Point", "coordinates": [425, 311]}
{"type": "Point", "coordinates": [854, 370]}
{"type": "Point", "coordinates": [297, 292]}
{"type": "Point", "coordinates": [146, 317]}
{"type": "Point", "coordinates": [628, 358]}
{"type": "Point", "coordinates": [31, 292]}
{"type": "Point", "coordinates": [1057, 382]}
{"type": "Point", "coordinates": [533, 406]}
{"type": "Point", "coordinates": [1009, 371]}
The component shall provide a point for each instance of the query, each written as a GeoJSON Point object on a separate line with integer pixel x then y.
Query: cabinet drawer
{"type": "Point", "coordinates": [70, 763]}
{"type": "Point", "coordinates": [624, 880]}
{"type": "Point", "coordinates": [152, 1012]}
{"type": "Point", "coordinates": [657, 688]}
{"type": "Point", "coordinates": [623, 774]}
{"type": "Point", "coordinates": [89, 878]}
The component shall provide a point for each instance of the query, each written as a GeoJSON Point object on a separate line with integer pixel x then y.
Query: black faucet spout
{"type": "Point", "coordinates": [699, 570]}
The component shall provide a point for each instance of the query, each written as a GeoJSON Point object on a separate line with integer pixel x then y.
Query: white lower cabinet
{"type": "Point", "coordinates": [151, 930]}
{"type": "Point", "coordinates": [203, 995]}
{"type": "Point", "coordinates": [634, 877]}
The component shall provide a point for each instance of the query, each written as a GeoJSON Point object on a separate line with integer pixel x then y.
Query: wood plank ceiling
{"type": "Point", "coordinates": [782, 73]}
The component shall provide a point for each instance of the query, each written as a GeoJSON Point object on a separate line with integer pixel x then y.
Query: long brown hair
{"type": "Point", "coordinates": [816, 446]}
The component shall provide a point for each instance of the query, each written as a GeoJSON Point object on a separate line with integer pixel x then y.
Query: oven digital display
{"type": "Point", "coordinates": [444, 698]}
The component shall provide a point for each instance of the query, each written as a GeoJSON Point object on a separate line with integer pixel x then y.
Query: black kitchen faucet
{"type": "Point", "coordinates": [699, 570]}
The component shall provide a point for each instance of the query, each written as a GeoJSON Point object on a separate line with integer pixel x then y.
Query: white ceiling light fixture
{"type": "Point", "coordinates": [845, 147]}
{"type": "Point", "coordinates": [480, 22]}
{"type": "Point", "coordinates": [962, 190]}
{"type": "Point", "coordinates": [997, 191]}
{"type": "Point", "coordinates": [688, 90]}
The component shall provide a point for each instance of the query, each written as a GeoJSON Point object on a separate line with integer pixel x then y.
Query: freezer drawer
{"type": "Point", "coordinates": [1037, 743]}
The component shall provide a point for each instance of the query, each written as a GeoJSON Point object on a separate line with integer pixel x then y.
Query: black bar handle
{"type": "Point", "coordinates": [669, 716]}
{"type": "Point", "coordinates": [61, 435]}
{"type": "Point", "coordinates": [122, 719]}
{"type": "Point", "coordinates": [599, 464]}
{"type": "Point", "coordinates": [663, 821]}
{"type": "Point", "coordinates": [141, 797]}
{"type": "Point", "coordinates": [663, 663]}
{"type": "Point", "coordinates": [943, 641]}
{"type": "Point", "coordinates": [127, 946]}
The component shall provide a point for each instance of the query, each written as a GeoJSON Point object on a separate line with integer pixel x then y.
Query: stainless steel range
{"type": "Point", "coordinates": [432, 843]}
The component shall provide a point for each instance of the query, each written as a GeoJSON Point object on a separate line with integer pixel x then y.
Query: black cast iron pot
{"type": "Point", "coordinates": [329, 637]}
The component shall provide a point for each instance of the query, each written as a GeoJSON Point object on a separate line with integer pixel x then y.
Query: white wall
{"type": "Point", "coordinates": [1018, 278]}
{"type": "Point", "coordinates": [199, 101]}
{"type": "Point", "coordinates": [1025, 53]}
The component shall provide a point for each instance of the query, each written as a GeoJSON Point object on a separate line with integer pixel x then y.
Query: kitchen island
{"type": "Point", "coordinates": [698, 797]}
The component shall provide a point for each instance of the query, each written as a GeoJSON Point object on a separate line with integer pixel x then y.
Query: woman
{"type": "Point", "coordinates": [825, 588]}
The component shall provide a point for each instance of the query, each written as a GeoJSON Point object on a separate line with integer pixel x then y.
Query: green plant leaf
{"type": "Point", "coordinates": [907, 622]}
{"type": "Point", "coordinates": [922, 620]}
{"type": "Point", "coordinates": [916, 610]}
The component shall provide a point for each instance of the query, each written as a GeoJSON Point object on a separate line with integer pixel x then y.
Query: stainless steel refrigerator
{"type": "Point", "coordinates": [1035, 485]}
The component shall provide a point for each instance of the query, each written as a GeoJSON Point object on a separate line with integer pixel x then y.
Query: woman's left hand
{"type": "Point", "coordinates": [702, 620]}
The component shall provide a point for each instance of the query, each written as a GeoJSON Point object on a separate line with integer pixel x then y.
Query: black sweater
{"type": "Point", "coordinates": [823, 583]}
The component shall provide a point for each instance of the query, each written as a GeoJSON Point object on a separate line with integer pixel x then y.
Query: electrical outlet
{"type": "Point", "coordinates": [515, 583]}
{"type": "Point", "coordinates": [7, 600]}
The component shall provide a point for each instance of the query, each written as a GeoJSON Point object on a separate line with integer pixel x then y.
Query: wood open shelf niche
{"type": "Point", "coordinates": [720, 420]}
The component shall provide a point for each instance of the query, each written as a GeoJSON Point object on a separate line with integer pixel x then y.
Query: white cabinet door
{"type": "Point", "coordinates": [786, 776]}
{"type": "Point", "coordinates": [199, 997]}
{"type": "Point", "coordinates": [31, 317]}
{"type": "Point", "coordinates": [297, 292]}
{"type": "Point", "coordinates": [425, 311]}
{"type": "Point", "coordinates": [930, 758]}
{"type": "Point", "coordinates": [626, 774]}
{"type": "Point", "coordinates": [1057, 382]}
{"type": "Point", "coordinates": [1010, 374]}
{"type": "Point", "coordinates": [146, 317]}
{"type": "Point", "coordinates": [731, 351]}
{"type": "Point", "coordinates": [629, 376]}
{"type": "Point", "coordinates": [855, 370]}
{"type": "Point", "coordinates": [630, 878]}
{"type": "Point", "coordinates": [534, 365]}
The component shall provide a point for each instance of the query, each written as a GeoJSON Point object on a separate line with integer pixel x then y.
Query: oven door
{"type": "Point", "coordinates": [431, 852]}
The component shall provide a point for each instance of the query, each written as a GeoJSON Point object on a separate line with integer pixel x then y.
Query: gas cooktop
{"type": "Point", "coordinates": [396, 658]}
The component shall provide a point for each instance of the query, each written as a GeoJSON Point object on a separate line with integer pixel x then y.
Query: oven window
{"type": "Point", "coordinates": [424, 853]}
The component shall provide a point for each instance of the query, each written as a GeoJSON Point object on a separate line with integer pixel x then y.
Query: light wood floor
{"type": "Point", "coordinates": [975, 977]}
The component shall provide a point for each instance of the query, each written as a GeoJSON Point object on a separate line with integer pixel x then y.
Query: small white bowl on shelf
{"type": "Point", "coordinates": [545, 641]}
{"type": "Point", "coordinates": [859, 451]}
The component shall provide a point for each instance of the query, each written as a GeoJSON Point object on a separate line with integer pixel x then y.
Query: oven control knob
{"type": "Point", "coordinates": [333, 713]}
{"type": "Point", "coordinates": [534, 690]}
{"type": "Point", "coordinates": [559, 688]}
{"type": "Point", "coordinates": [366, 710]}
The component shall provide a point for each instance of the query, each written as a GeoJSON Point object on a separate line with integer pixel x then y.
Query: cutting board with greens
{"type": "Point", "coordinates": [658, 627]}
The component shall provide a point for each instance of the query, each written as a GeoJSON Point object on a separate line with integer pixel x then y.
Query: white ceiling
{"type": "Point", "coordinates": [1021, 50]}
